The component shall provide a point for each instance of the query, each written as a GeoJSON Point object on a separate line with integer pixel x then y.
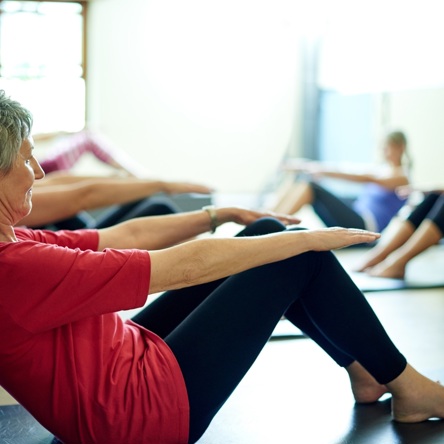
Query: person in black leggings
{"type": "Point", "coordinates": [373, 208]}
{"type": "Point", "coordinates": [216, 330]}
{"type": "Point", "coordinates": [124, 383]}
{"type": "Point", "coordinates": [422, 229]}
{"type": "Point", "coordinates": [62, 201]}
{"type": "Point", "coordinates": [151, 206]}
{"type": "Point", "coordinates": [335, 211]}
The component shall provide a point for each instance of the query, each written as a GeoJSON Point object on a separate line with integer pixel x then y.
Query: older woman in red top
{"type": "Point", "coordinates": [90, 377]}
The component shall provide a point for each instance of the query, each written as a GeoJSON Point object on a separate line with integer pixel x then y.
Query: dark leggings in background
{"type": "Point", "coordinates": [217, 330]}
{"type": "Point", "coordinates": [432, 208]}
{"type": "Point", "coordinates": [151, 206]}
{"type": "Point", "coordinates": [334, 211]}
{"type": "Point", "coordinates": [155, 206]}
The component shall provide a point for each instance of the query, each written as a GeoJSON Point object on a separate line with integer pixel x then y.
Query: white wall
{"type": "Point", "coordinates": [395, 46]}
{"type": "Point", "coordinates": [199, 90]}
{"type": "Point", "coordinates": [420, 113]}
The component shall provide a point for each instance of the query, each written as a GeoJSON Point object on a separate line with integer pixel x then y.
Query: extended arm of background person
{"type": "Point", "coordinates": [205, 260]}
{"type": "Point", "coordinates": [317, 169]}
{"type": "Point", "coordinates": [58, 202]}
{"type": "Point", "coordinates": [156, 232]}
{"type": "Point", "coordinates": [397, 179]}
{"type": "Point", "coordinates": [149, 186]}
{"type": "Point", "coordinates": [64, 178]}
{"type": "Point", "coordinates": [43, 137]}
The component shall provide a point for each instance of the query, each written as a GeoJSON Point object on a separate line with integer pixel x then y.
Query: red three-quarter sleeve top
{"type": "Point", "coordinates": [67, 356]}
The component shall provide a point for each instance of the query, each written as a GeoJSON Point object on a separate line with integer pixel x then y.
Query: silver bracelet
{"type": "Point", "coordinates": [214, 222]}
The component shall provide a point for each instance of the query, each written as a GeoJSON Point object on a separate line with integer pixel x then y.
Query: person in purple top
{"type": "Point", "coordinates": [423, 228]}
{"type": "Point", "coordinates": [374, 207]}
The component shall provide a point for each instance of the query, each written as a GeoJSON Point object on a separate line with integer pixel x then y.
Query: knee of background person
{"type": "Point", "coordinates": [437, 224]}
{"type": "Point", "coordinates": [424, 210]}
{"type": "Point", "coordinates": [412, 223]}
{"type": "Point", "coordinates": [436, 215]}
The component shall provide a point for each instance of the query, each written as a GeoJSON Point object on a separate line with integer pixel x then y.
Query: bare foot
{"type": "Point", "coordinates": [368, 393]}
{"type": "Point", "coordinates": [388, 270]}
{"type": "Point", "coordinates": [365, 388]}
{"type": "Point", "coordinates": [369, 262]}
{"type": "Point", "coordinates": [424, 400]}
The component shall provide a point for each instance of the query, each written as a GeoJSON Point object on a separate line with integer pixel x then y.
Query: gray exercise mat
{"type": "Point", "coordinates": [286, 330]}
{"type": "Point", "coordinates": [17, 426]}
{"type": "Point", "coordinates": [368, 283]}
{"type": "Point", "coordinates": [424, 271]}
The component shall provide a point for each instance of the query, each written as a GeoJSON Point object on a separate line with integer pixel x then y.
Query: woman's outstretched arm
{"type": "Point", "coordinates": [206, 260]}
{"type": "Point", "coordinates": [64, 178]}
{"type": "Point", "coordinates": [156, 232]}
{"type": "Point", "coordinates": [58, 202]}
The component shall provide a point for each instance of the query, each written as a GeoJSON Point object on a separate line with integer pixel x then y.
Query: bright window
{"type": "Point", "coordinates": [42, 61]}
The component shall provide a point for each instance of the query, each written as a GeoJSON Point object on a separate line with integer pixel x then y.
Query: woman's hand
{"type": "Point", "coordinates": [185, 187]}
{"type": "Point", "coordinates": [336, 238]}
{"type": "Point", "coordinates": [243, 216]}
{"type": "Point", "coordinates": [303, 166]}
{"type": "Point", "coordinates": [206, 260]}
{"type": "Point", "coordinates": [405, 191]}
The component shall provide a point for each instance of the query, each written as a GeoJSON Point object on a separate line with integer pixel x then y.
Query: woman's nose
{"type": "Point", "coordinates": [38, 171]}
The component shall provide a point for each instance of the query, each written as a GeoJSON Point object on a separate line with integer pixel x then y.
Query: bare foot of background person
{"type": "Point", "coordinates": [370, 260]}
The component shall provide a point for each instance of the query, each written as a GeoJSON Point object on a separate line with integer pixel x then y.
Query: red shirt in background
{"type": "Point", "coordinates": [69, 359]}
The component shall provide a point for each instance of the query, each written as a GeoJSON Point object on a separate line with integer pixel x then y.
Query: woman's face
{"type": "Point", "coordinates": [393, 152]}
{"type": "Point", "coordinates": [16, 186]}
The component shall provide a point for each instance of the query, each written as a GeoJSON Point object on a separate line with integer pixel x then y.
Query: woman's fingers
{"type": "Point", "coordinates": [246, 217]}
{"type": "Point", "coordinates": [287, 220]}
{"type": "Point", "coordinates": [197, 188]}
{"type": "Point", "coordinates": [202, 189]}
{"type": "Point", "coordinates": [284, 218]}
{"type": "Point", "coordinates": [404, 191]}
{"type": "Point", "coordinates": [185, 187]}
{"type": "Point", "coordinates": [336, 238]}
{"type": "Point", "coordinates": [296, 165]}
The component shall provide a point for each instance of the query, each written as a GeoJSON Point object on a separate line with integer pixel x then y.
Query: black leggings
{"type": "Point", "coordinates": [151, 206]}
{"type": "Point", "coordinates": [333, 211]}
{"type": "Point", "coordinates": [217, 330]}
{"type": "Point", "coordinates": [432, 208]}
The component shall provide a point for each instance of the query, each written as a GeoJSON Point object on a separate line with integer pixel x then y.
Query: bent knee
{"type": "Point", "coordinates": [266, 225]}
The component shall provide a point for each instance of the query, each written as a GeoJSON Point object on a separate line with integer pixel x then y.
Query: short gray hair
{"type": "Point", "coordinates": [15, 126]}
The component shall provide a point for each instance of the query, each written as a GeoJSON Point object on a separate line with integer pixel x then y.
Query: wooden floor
{"type": "Point", "coordinates": [295, 394]}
